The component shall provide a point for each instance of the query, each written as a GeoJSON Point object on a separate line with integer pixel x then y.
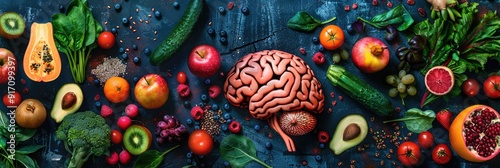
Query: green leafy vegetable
{"type": "Point", "coordinates": [25, 160]}
{"type": "Point", "coordinates": [151, 158]}
{"type": "Point", "coordinates": [29, 149]}
{"type": "Point", "coordinates": [398, 16]}
{"type": "Point", "coordinates": [75, 35]}
{"type": "Point", "coordinates": [303, 21]}
{"type": "Point", "coordinates": [239, 151]}
{"type": "Point", "coordinates": [417, 120]}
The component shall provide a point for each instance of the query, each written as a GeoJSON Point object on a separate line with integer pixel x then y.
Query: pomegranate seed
{"type": "Point", "coordinates": [410, 2]}
{"type": "Point", "coordinates": [421, 12]}
{"type": "Point", "coordinates": [374, 2]}
{"type": "Point", "coordinates": [389, 4]}
{"type": "Point", "coordinates": [230, 5]}
{"type": "Point", "coordinates": [302, 51]}
{"type": "Point", "coordinates": [355, 6]}
{"type": "Point", "coordinates": [347, 8]}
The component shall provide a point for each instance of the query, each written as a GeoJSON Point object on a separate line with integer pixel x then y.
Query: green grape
{"type": "Point", "coordinates": [393, 92]}
{"type": "Point", "coordinates": [336, 57]}
{"type": "Point", "coordinates": [403, 95]}
{"type": "Point", "coordinates": [411, 90]}
{"type": "Point", "coordinates": [401, 88]}
{"type": "Point", "coordinates": [408, 79]}
{"type": "Point", "coordinates": [390, 79]}
{"type": "Point", "coordinates": [401, 73]}
{"type": "Point", "coordinates": [344, 54]}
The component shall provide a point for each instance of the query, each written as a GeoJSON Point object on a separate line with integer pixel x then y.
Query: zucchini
{"type": "Point", "coordinates": [363, 93]}
{"type": "Point", "coordinates": [178, 35]}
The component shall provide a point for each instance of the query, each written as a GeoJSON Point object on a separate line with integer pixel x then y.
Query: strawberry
{"type": "Point", "coordinates": [444, 118]}
{"type": "Point", "coordinates": [106, 111]}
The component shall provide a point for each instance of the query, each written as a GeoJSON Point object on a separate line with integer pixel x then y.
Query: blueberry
{"type": "Point", "coordinates": [227, 106]}
{"type": "Point", "coordinates": [147, 51]}
{"type": "Point", "coordinates": [197, 123]}
{"type": "Point", "coordinates": [222, 10]}
{"type": "Point", "coordinates": [349, 29]}
{"type": "Point", "coordinates": [256, 127]}
{"type": "Point", "coordinates": [215, 107]}
{"type": "Point", "coordinates": [223, 33]}
{"type": "Point", "coordinates": [315, 39]}
{"type": "Point", "coordinates": [223, 127]}
{"type": "Point", "coordinates": [229, 120]}
{"type": "Point", "coordinates": [61, 8]}
{"type": "Point", "coordinates": [187, 104]}
{"type": "Point", "coordinates": [96, 81]}
{"type": "Point", "coordinates": [176, 5]}
{"type": "Point", "coordinates": [215, 117]}
{"type": "Point", "coordinates": [321, 145]}
{"type": "Point", "coordinates": [226, 116]}
{"type": "Point", "coordinates": [317, 157]}
{"type": "Point", "coordinates": [269, 145]}
{"type": "Point", "coordinates": [204, 97]}
{"type": "Point", "coordinates": [210, 31]}
{"type": "Point", "coordinates": [98, 104]}
{"type": "Point", "coordinates": [121, 50]}
{"type": "Point", "coordinates": [196, 127]}
{"type": "Point", "coordinates": [226, 164]}
{"type": "Point", "coordinates": [223, 40]}
{"type": "Point", "coordinates": [207, 81]}
{"type": "Point", "coordinates": [189, 161]}
{"type": "Point", "coordinates": [124, 21]}
{"type": "Point", "coordinates": [136, 79]}
{"type": "Point", "coordinates": [194, 163]}
{"type": "Point", "coordinates": [118, 7]}
{"type": "Point", "coordinates": [200, 156]}
{"type": "Point", "coordinates": [113, 30]}
{"type": "Point", "coordinates": [124, 56]}
{"type": "Point", "coordinates": [189, 121]}
{"type": "Point", "coordinates": [201, 104]}
{"type": "Point", "coordinates": [136, 60]}
{"type": "Point", "coordinates": [134, 47]}
{"type": "Point", "coordinates": [157, 15]}
{"type": "Point", "coordinates": [321, 48]}
{"type": "Point", "coordinates": [245, 10]}
{"type": "Point", "coordinates": [189, 155]}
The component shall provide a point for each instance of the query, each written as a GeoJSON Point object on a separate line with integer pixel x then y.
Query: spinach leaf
{"type": "Point", "coordinates": [303, 21]}
{"type": "Point", "coordinates": [397, 16]}
{"type": "Point", "coordinates": [417, 120]}
{"type": "Point", "coordinates": [62, 28]}
{"type": "Point", "coordinates": [76, 16]}
{"type": "Point", "coordinates": [29, 149]}
{"type": "Point", "coordinates": [239, 151]}
{"type": "Point", "coordinates": [23, 134]}
{"type": "Point", "coordinates": [151, 158]}
{"type": "Point", "coordinates": [27, 161]}
{"type": "Point", "coordinates": [4, 120]}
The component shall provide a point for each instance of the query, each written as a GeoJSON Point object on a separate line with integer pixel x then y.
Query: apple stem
{"type": "Point", "coordinates": [146, 80]}
{"type": "Point", "coordinates": [198, 53]}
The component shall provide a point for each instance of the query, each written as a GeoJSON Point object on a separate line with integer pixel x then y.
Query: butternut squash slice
{"type": "Point", "coordinates": [41, 61]}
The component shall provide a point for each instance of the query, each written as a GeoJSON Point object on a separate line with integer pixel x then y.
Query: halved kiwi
{"type": "Point", "coordinates": [137, 139]}
{"type": "Point", "coordinates": [12, 25]}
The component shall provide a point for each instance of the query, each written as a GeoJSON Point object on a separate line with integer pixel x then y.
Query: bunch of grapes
{"type": "Point", "coordinates": [169, 129]}
{"type": "Point", "coordinates": [403, 84]}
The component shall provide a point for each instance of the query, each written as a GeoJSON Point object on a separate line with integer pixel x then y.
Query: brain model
{"type": "Point", "coordinates": [274, 84]}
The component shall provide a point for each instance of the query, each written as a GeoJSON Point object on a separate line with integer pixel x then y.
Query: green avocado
{"type": "Point", "coordinates": [68, 91]}
{"type": "Point", "coordinates": [340, 142]}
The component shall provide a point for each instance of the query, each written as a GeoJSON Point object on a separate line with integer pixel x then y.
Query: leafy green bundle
{"type": "Point", "coordinates": [76, 34]}
{"type": "Point", "coordinates": [463, 46]}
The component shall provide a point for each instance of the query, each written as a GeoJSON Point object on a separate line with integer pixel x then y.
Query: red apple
{"type": "Point", "coordinates": [151, 91]}
{"type": "Point", "coordinates": [8, 63]}
{"type": "Point", "coordinates": [204, 61]}
{"type": "Point", "coordinates": [370, 54]}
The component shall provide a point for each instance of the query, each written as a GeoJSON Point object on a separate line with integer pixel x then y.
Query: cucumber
{"type": "Point", "coordinates": [178, 35]}
{"type": "Point", "coordinates": [369, 97]}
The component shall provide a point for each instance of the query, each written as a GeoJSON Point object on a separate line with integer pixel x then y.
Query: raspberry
{"type": "Point", "coordinates": [235, 127]}
{"type": "Point", "coordinates": [197, 112]}
{"type": "Point", "coordinates": [323, 136]}
{"type": "Point", "coordinates": [318, 58]}
{"type": "Point", "coordinates": [106, 111]}
{"type": "Point", "coordinates": [183, 90]}
{"type": "Point", "coordinates": [214, 91]}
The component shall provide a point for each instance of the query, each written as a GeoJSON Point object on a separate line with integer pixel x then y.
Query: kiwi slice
{"type": "Point", "coordinates": [137, 139]}
{"type": "Point", "coordinates": [12, 25]}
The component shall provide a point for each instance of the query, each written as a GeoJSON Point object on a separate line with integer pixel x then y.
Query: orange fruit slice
{"type": "Point", "coordinates": [116, 89]}
{"type": "Point", "coordinates": [439, 80]}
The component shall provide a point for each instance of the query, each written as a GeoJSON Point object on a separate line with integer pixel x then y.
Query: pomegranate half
{"type": "Point", "coordinates": [475, 133]}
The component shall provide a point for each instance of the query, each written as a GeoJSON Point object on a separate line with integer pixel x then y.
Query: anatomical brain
{"type": "Point", "coordinates": [271, 83]}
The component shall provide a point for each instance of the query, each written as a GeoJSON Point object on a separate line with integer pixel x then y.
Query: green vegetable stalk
{"type": "Point", "coordinates": [417, 120]}
{"type": "Point", "coordinates": [75, 34]}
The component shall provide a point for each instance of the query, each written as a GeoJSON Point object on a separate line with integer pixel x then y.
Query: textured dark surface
{"type": "Point", "coordinates": [263, 28]}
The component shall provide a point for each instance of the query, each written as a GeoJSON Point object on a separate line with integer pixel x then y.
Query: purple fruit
{"type": "Point", "coordinates": [164, 133]}
{"type": "Point", "coordinates": [166, 117]}
{"type": "Point", "coordinates": [160, 140]}
{"type": "Point", "coordinates": [171, 122]}
{"type": "Point", "coordinates": [162, 125]}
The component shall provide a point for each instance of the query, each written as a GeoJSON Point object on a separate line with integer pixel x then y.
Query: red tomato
{"type": "Point", "coordinates": [181, 77]}
{"type": "Point", "coordinates": [106, 40]}
{"type": "Point", "coordinates": [200, 142]}
{"type": "Point", "coordinates": [426, 139]}
{"type": "Point", "coordinates": [409, 154]}
{"type": "Point", "coordinates": [441, 154]}
{"type": "Point", "coordinates": [12, 99]}
{"type": "Point", "coordinates": [116, 137]}
{"type": "Point", "coordinates": [470, 87]}
{"type": "Point", "coordinates": [491, 86]}
{"type": "Point", "coordinates": [331, 37]}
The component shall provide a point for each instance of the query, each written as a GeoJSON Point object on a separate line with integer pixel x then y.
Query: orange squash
{"type": "Point", "coordinates": [42, 62]}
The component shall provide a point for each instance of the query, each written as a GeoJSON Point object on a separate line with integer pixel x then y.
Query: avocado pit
{"type": "Point", "coordinates": [68, 100]}
{"type": "Point", "coordinates": [351, 131]}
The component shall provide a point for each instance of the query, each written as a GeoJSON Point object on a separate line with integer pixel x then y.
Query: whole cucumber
{"type": "Point", "coordinates": [178, 35]}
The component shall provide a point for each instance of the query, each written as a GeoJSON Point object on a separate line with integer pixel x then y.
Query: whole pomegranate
{"type": "Point", "coordinates": [474, 132]}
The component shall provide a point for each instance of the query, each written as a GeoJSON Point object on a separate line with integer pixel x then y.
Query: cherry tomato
{"type": "Point", "coordinates": [409, 154]}
{"type": "Point", "coordinates": [491, 86]}
{"type": "Point", "coordinates": [200, 142]}
{"type": "Point", "coordinates": [181, 77]}
{"type": "Point", "coordinates": [470, 87]}
{"type": "Point", "coordinates": [426, 139]}
{"type": "Point", "coordinates": [116, 137]}
{"type": "Point", "coordinates": [331, 37]}
{"type": "Point", "coordinates": [441, 154]}
{"type": "Point", "coordinates": [106, 40]}
{"type": "Point", "coordinates": [12, 99]}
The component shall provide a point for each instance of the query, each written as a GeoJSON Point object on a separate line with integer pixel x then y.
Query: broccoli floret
{"type": "Point", "coordinates": [84, 134]}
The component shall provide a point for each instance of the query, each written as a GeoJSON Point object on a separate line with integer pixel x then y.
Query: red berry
{"type": "Point", "coordinates": [116, 137]}
{"type": "Point", "coordinates": [235, 127]}
{"type": "Point", "coordinates": [124, 122]}
{"type": "Point", "coordinates": [181, 77]}
{"type": "Point", "coordinates": [125, 157]}
{"type": "Point", "coordinates": [323, 137]}
{"type": "Point", "coordinates": [132, 110]}
{"type": "Point", "coordinates": [444, 118]}
{"type": "Point", "coordinates": [183, 90]}
{"type": "Point", "coordinates": [197, 112]}
{"type": "Point", "coordinates": [318, 58]}
{"type": "Point", "coordinates": [347, 8]}
{"type": "Point", "coordinates": [302, 51]}
{"type": "Point", "coordinates": [112, 159]}
{"type": "Point", "coordinates": [355, 6]}
{"type": "Point", "coordinates": [214, 91]}
{"type": "Point", "coordinates": [410, 2]}
{"type": "Point", "coordinates": [106, 111]}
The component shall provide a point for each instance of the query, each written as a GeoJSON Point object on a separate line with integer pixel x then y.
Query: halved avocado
{"type": "Point", "coordinates": [339, 143]}
{"type": "Point", "coordinates": [70, 90]}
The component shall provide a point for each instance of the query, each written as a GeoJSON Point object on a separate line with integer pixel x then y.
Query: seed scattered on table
{"type": "Point", "coordinates": [110, 67]}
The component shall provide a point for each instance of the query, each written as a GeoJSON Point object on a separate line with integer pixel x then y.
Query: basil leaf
{"type": "Point", "coordinates": [151, 158]}
{"type": "Point", "coordinates": [239, 151]}
{"type": "Point", "coordinates": [23, 134]}
{"type": "Point", "coordinates": [27, 161]}
{"type": "Point", "coordinates": [29, 149]}
{"type": "Point", "coordinates": [303, 21]}
{"type": "Point", "coordinates": [417, 120]}
{"type": "Point", "coordinates": [397, 16]}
